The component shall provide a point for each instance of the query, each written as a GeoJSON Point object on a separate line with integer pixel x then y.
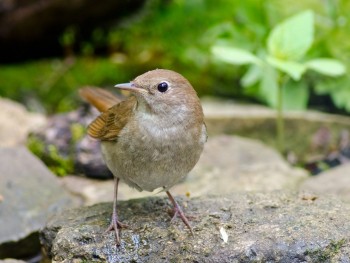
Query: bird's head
{"type": "Point", "coordinates": [163, 91]}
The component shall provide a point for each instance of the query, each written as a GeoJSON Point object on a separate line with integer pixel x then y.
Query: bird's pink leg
{"type": "Point", "coordinates": [178, 212]}
{"type": "Point", "coordinates": [115, 223]}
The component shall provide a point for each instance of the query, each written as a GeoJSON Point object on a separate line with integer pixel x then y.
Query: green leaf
{"type": "Point", "coordinates": [291, 39]}
{"type": "Point", "coordinates": [341, 98]}
{"type": "Point", "coordinates": [269, 86]}
{"type": "Point", "coordinates": [327, 66]}
{"type": "Point", "coordinates": [323, 87]}
{"type": "Point", "coordinates": [294, 69]}
{"type": "Point", "coordinates": [340, 92]}
{"type": "Point", "coordinates": [234, 55]}
{"type": "Point", "coordinates": [338, 89]}
{"type": "Point", "coordinates": [252, 76]}
{"type": "Point", "coordinates": [295, 95]}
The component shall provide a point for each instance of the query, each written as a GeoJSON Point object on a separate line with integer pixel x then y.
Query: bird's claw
{"type": "Point", "coordinates": [116, 225]}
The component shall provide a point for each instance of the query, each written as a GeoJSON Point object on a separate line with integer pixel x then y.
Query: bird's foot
{"type": "Point", "coordinates": [177, 212]}
{"type": "Point", "coordinates": [116, 225]}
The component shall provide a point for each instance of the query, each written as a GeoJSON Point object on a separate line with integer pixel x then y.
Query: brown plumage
{"type": "Point", "coordinates": [115, 113]}
{"type": "Point", "coordinates": [101, 99]}
{"type": "Point", "coordinates": [152, 139]}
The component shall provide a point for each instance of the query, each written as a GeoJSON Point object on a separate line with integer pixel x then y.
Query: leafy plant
{"type": "Point", "coordinates": [278, 68]}
{"type": "Point", "coordinates": [146, 40]}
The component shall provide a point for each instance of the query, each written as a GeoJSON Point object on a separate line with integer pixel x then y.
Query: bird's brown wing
{"type": "Point", "coordinates": [112, 120]}
{"type": "Point", "coordinates": [99, 98]}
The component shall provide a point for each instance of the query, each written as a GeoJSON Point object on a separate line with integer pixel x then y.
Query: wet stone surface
{"type": "Point", "coordinates": [260, 227]}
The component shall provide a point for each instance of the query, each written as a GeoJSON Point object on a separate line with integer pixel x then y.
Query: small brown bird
{"type": "Point", "coordinates": [152, 139]}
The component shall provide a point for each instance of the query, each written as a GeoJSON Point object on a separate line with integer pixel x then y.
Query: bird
{"type": "Point", "coordinates": [152, 139]}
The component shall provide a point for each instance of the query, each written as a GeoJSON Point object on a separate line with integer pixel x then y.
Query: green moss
{"type": "Point", "coordinates": [36, 146]}
{"type": "Point", "coordinates": [49, 154]}
{"type": "Point", "coordinates": [328, 253]}
{"type": "Point", "coordinates": [78, 131]}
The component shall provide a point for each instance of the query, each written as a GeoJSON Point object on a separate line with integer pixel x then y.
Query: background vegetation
{"type": "Point", "coordinates": [178, 35]}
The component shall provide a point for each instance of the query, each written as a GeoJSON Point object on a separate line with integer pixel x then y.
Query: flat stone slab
{"type": "Point", "coordinates": [224, 116]}
{"type": "Point", "coordinates": [232, 163]}
{"type": "Point", "coordinates": [259, 122]}
{"type": "Point", "coordinates": [243, 227]}
{"type": "Point", "coordinates": [335, 181]}
{"type": "Point", "coordinates": [29, 193]}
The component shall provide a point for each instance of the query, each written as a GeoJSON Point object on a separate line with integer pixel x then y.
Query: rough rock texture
{"type": "Point", "coordinates": [228, 163]}
{"type": "Point", "coordinates": [260, 227]}
{"type": "Point", "coordinates": [17, 122]}
{"type": "Point", "coordinates": [335, 181]}
{"type": "Point", "coordinates": [29, 193]}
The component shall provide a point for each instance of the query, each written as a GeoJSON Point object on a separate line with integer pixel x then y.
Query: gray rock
{"type": "Point", "coordinates": [260, 227]}
{"type": "Point", "coordinates": [335, 181]}
{"type": "Point", "coordinates": [224, 116]}
{"type": "Point", "coordinates": [17, 122]}
{"type": "Point", "coordinates": [259, 122]}
{"type": "Point", "coordinates": [232, 163]}
{"type": "Point", "coordinates": [90, 191]}
{"type": "Point", "coordinates": [29, 194]}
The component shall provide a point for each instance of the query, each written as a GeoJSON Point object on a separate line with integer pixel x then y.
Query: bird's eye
{"type": "Point", "coordinates": [163, 87]}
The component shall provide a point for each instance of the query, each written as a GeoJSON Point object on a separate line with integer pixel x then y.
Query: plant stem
{"type": "Point", "coordinates": [280, 120]}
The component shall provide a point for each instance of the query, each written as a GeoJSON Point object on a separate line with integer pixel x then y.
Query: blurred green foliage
{"type": "Point", "coordinates": [278, 68]}
{"type": "Point", "coordinates": [50, 155]}
{"type": "Point", "coordinates": [178, 35]}
{"type": "Point", "coordinates": [285, 49]}
{"type": "Point", "coordinates": [58, 162]}
{"type": "Point", "coordinates": [53, 84]}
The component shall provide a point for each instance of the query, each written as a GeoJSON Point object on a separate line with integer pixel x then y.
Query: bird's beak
{"type": "Point", "coordinates": [128, 86]}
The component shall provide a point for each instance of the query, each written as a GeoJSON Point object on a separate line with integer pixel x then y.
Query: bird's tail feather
{"type": "Point", "coordinates": [99, 98]}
